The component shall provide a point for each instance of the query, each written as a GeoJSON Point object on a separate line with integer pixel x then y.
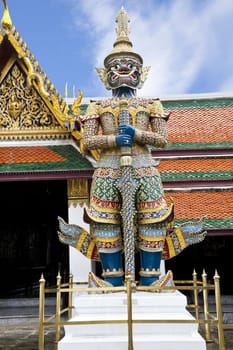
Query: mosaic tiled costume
{"type": "Point", "coordinates": [104, 129]}
{"type": "Point", "coordinates": [149, 121]}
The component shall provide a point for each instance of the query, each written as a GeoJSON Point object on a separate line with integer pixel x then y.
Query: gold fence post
{"type": "Point", "coordinates": [206, 306]}
{"type": "Point", "coordinates": [195, 294]}
{"type": "Point", "coordinates": [70, 296]}
{"type": "Point", "coordinates": [58, 307]}
{"type": "Point", "coordinates": [219, 311]}
{"type": "Point", "coordinates": [129, 306]}
{"type": "Point", "coordinates": [41, 313]}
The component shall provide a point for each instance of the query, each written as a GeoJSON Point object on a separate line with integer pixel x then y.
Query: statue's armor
{"type": "Point", "coordinates": [100, 128]}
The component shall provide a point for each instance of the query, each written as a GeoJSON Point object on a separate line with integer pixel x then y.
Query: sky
{"type": "Point", "coordinates": [187, 43]}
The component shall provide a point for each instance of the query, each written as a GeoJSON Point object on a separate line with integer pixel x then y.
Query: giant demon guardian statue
{"type": "Point", "coordinates": [128, 211]}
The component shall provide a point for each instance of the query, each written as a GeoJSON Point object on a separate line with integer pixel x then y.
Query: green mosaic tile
{"type": "Point", "coordinates": [201, 145]}
{"type": "Point", "coordinates": [195, 175]}
{"type": "Point", "coordinates": [211, 223]}
{"type": "Point", "coordinates": [198, 103]}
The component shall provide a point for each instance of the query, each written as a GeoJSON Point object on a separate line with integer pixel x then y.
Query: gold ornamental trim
{"type": "Point", "coordinates": [157, 220]}
{"type": "Point", "coordinates": [102, 220]}
{"type": "Point", "coordinates": [33, 134]}
{"type": "Point", "coordinates": [78, 192]}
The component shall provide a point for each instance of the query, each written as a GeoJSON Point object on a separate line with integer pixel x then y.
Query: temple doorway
{"type": "Point", "coordinates": [214, 253]}
{"type": "Point", "coordinates": [28, 235]}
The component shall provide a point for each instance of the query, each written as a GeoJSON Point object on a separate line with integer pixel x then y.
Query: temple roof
{"type": "Point", "coordinates": [216, 207]}
{"type": "Point", "coordinates": [40, 162]}
{"type": "Point", "coordinates": [33, 110]}
{"type": "Point", "coordinates": [24, 90]}
{"type": "Point", "coordinates": [196, 169]}
{"type": "Point", "coordinates": [200, 123]}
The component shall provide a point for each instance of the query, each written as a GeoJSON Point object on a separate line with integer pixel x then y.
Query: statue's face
{"type": "Point", "coordinates": [124, 72]}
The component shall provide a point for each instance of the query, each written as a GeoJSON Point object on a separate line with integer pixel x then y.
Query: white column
{"type": "Point", "coordinates": [80, 266]}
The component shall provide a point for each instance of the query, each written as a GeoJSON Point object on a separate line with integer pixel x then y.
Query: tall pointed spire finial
{"type": "Point", "coordinates": [122, 21]}
{"type": "Point", "coordinates": [6, 20]}
{"type": "Point", "coordinates": [122, 45]}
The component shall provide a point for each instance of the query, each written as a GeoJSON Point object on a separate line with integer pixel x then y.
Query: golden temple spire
{"type": "Point", "coordinates": [6, 20]}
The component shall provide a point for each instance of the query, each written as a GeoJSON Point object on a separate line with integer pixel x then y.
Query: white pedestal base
{"type": "Point", "coordinates": [150, 336]}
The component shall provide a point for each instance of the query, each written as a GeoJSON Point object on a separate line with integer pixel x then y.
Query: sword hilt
{"type": "Point", "coordinates": [126, 159]}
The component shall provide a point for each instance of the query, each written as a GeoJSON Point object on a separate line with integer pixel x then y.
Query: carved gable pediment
{"type": "Point", "coordinates": [30, 106]}
{"type": "Point", "coordinates": [23, 112]}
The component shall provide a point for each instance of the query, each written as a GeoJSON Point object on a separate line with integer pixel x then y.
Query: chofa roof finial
{"type": "Point", "coordinates": [6, 20]}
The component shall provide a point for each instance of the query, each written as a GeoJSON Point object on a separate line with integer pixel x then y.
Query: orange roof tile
{"type": "Point", "coordinates": [201, 125]}
{"type": "Point", "coordinates": [194, 205]}
{"type": "Point", "coordinates": [9, 155]}
{"type": "Point", "coordinates": [187, 165]}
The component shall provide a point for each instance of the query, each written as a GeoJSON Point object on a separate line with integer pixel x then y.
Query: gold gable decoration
{"type": "Point", "coordinates": [30, 106]}
{"type": "Point", "coordinates": [23, 112]}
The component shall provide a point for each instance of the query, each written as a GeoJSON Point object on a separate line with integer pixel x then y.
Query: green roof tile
{"type": "Point", "coordinates": [196, 175]}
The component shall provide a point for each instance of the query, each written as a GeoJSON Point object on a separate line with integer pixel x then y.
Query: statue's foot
{"type": "Point", "coordinates": [164, 281]}
{"type": "Point", "coordinates": [96, 282]}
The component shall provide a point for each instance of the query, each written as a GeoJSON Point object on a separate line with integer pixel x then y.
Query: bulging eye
{"type": "Point", "coordinates": [117, 66]}
{"type": "Point", "coordinates": [129, 65]}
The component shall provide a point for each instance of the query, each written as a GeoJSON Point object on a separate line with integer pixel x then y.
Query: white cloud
{"type": "Point", "coordinates": [182, 41]}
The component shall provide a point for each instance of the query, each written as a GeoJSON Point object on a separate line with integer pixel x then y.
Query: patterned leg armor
{"type": "Point", "coordinates": [112, 268]}
{"type": "Point", "coordinates": [108, 243]}
{"type": "Point", "coordinates": [150, 267]}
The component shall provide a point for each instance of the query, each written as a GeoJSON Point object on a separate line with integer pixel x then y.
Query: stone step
{"type": "Point", "coordinates": [23, 310]}
{"type": "Point", "coordinates": [148, 342]}
{"type": "Point", "coordinates": [145, 306]}
{"type": "Point", "coordinates": [110, 329]}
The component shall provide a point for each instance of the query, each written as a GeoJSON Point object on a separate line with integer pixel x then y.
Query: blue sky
{"type": "Point", "coordinates": [187, 43]}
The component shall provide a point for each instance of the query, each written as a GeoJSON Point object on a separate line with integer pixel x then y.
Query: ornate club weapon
{"type": "Point", "coordinates": [127, 187]}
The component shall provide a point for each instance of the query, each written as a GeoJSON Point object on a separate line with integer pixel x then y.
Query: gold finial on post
{"type": "Point", "coordinates": [195, 292]}
{"type": "Point", "coordinates": [73, 92]}
{"type": "Point", "coordinates": [219, 310]}
{"type": "Point", "coordinates": [66, 91]}
{"type": "Point", "coordinates": [6, 20]}
{"type": "Point", "coordinates": [206, 305]}
{"type": "Point", "coordinates": [41, 312]}
{"type": "Point", "coordinates": [58, 307]}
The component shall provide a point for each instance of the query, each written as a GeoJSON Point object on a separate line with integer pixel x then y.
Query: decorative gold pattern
{"type": "Point", "coordinates": [22, 109]}
{"type": "Point", "coordinates": [78, 192]}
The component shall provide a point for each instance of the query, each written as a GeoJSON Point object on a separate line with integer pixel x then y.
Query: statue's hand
{"type": "Point", "coordinates": [126, 129]}
{"type": "Point", "coordinates": [124, 140]}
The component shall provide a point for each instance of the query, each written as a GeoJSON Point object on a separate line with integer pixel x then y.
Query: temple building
{"type": "Point", "coordinates": [44, 174]}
